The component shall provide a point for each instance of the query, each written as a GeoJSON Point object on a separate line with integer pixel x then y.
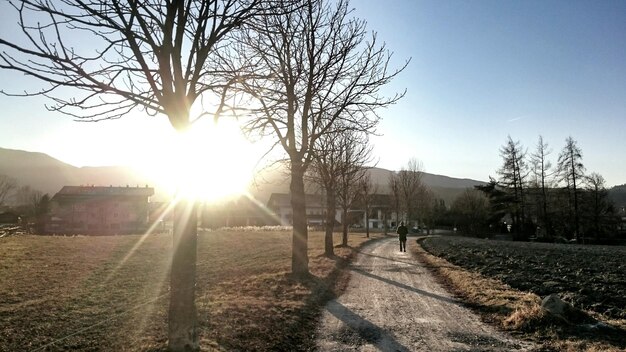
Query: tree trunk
{"type": "Point", "coordinates": [330, 222]}
{"type": "Point", "coordinates": [299, 254]}
{"type": "Point", "coordinates": [182, 332]}
{"type": "Point", "coordinates": [385, 223]}
{"type": "Point", "coordinates": [344, 226]}
{"type": "Point", "coordinates": [544, 205]}
{"type": "Point", "coordinates": [579, 238]}
{"type": "Point", "coordinates": [367, 223]}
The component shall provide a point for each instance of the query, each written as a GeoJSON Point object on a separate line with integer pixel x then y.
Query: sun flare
{"type": "Point", "coordinates": [209, 162]}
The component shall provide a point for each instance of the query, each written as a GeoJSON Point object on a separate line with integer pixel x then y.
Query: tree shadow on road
{"type": "Point", "coordinates": [391, 259]}
{"type": "Point", "coordinates": [406, 287]}
{"type": "Point", "coordinates": [360, 330]}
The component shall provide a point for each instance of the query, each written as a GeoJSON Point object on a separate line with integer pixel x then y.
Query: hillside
{"type": "Point", "coordinates": [444, 187]}
{"type": "Point", "coordinates": [47, 174]}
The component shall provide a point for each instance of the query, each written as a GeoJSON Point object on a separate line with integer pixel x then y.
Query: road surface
{"type": "Point", "coordinates": [393, 303]}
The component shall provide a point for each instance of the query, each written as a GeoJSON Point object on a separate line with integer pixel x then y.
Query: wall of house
{"type": "Point", "coordinates": [107, 216]}
{"type": "Point", "coordinates": [316, 215]}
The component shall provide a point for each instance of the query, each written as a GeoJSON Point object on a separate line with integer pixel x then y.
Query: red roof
{"type": "Point", "coordinates": [105, 191]}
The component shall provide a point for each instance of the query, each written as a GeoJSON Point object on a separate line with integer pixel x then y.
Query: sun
{"type": "Point", "coordinates": [209, 162]}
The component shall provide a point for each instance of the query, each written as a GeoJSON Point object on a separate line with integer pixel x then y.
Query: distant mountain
{"type": "Point", "coordinates": [381, 177]}
{"type": "Point", "coordinates": [47, 174]}
{"type": "Point", "coordinates": [444, 187]}
{"type": "Point", "coordinates": [276, 180]}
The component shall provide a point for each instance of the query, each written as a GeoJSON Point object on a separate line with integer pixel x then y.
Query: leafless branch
{"type": "Point", "coordinates": [117, 56]}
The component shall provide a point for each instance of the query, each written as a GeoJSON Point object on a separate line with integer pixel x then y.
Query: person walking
{"type": "Point", "coordinates": [402, 232]}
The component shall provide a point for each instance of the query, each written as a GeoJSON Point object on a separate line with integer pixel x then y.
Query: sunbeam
{"type": "Point", "coordinates": [143, 237]}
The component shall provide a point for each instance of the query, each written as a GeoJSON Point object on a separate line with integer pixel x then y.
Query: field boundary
{"type": "Point", "coordinates": [509, 309]}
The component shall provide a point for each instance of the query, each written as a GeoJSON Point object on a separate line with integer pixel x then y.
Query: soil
{"type": "Point", "coordinates": [592, 278]}
{"type": "Point", "coordinates": [393, 303]}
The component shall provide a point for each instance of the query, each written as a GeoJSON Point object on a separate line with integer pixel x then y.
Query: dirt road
{"type": "Point", "coordinates": [392, 303]}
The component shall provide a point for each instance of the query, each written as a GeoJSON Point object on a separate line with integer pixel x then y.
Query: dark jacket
{"type": "Point", "coordinates": [402, 231]}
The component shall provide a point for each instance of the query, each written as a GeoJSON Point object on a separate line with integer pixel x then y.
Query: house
{"type": "Point", "coordinates": [99, 210]}
{"type": "Point", "coordinates": [379, 212]}
{"type": "Point", "coordinates": [280, 204]}
{"type": "Point", "coordinates": [241, 211]}
{"type": "Point", "coordinates": [9, 217]}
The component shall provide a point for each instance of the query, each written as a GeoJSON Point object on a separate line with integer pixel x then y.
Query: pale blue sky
{"type": "Point", "coordinates": [480, 70]}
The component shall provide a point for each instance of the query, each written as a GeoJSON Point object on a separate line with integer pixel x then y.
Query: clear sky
{"type": "Point", "coordinates": [479, 71]}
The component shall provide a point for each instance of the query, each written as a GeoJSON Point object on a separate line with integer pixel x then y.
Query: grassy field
{"type": "Point", "coordinates": [111, 293]}
{"type": "Point", "coordinates": [505, 282]}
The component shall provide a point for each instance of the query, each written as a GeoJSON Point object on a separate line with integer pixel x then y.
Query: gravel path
{"type": "Point", "coordinates": [392, 303]}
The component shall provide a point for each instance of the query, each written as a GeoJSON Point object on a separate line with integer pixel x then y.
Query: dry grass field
{"type": "Point", "coordinates": [111, 293]}
{"type": "Point", "coordinates": [505, 282]}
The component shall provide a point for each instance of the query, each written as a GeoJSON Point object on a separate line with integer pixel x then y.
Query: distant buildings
{"type": "Point", "coordinates": [9, 217]}
{"type": "Point", "coordinates": [126, 210]}
{"type": "Point", "coordinates": [99, 210]}
{"type": "Point", "coordinates": [242, 211]}
{"type": "Point", "coordinates": [280, 204]}
{"type": "Point", "coordinates": [379, 212]}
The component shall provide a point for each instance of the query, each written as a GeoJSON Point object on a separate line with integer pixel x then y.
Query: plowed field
{"type": "Point", "coordinates": [592, 278]}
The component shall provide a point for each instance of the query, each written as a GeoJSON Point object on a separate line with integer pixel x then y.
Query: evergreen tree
{"type": "Point", "coordinates": [571, 172]}
{"type": "Point", "coordinates": [499, 201]}
{"type": "Point", "coordinates": [512, 177]}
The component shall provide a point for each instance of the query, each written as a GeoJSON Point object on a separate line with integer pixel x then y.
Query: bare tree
{"type": "Point", "coordinates": [351, 171]}
{"type": "Point", "coordinates": [410, 185]}
{"type": "Point", "coordinates": [471, 210]}
{"type": "Point", "coordinates": [599, 204]}
{"type": "Point", "coordinates": [7, 185]}
{"type": "Point", "coordinates": [571, 171]}
{"type": "Point", "coordinates": [118, 56]}
{"type": "Point", "coordinates": [34, 201]}
{"type": "Point", "coordinates": [328, 151]}
{"type": "Point", "coordinates": [394, 188]}
{"type": "Point", "coordinates": [368, 190]}
{"type": "Point", "coordinates": [41, 208]}
{"type": "Point", "coordinates": [438, 213]}
{"type": "Point", "coordinates": [426, 203]}
{"type": "Point", "coordinates": [541, 169]}
{"type": "Point", "coordinates": [24, 196]}
{"type": "Point", "coordinates": [312, 68]}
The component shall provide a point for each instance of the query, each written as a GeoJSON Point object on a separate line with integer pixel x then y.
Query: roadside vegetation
{"type": "Point", "coordinates": [532, 200]}
{"type": "Point", "coordinates": [505, 281]}
{"type": "Point", "coordinates": [111, 292]}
